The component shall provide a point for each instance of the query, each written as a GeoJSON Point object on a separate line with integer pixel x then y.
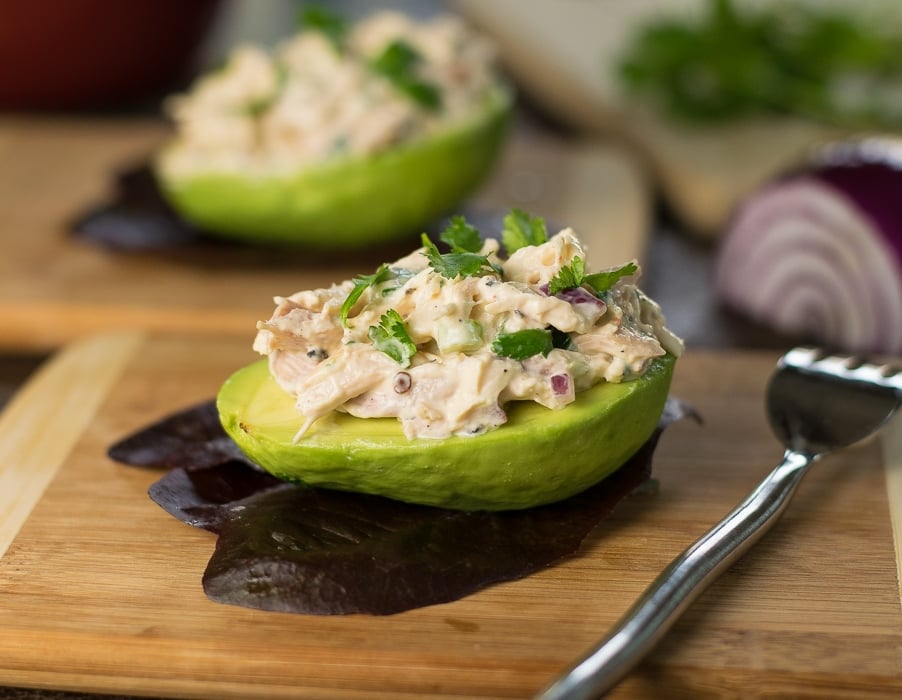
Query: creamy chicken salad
{"type": "Point", "coordinates": [442, 341]}
{"type": "Point", "coordinates": [330, 91]}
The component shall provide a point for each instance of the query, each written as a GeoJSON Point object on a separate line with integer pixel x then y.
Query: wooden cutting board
{"type": "Point", "coordinates": [54, 288]}
{"type": "Point", "coordinates": [100, 589]}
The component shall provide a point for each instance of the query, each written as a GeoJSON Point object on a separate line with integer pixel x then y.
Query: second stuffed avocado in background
{"type": "Point", "coordinates": [343, 136]}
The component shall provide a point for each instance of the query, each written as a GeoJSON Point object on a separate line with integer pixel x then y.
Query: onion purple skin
{"type": "Point", "coordinates": [817, 252]}
{"type": "Point", "coordinates": [869, 172]}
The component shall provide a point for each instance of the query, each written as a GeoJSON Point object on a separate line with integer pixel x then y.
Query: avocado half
{"type": "Point", "coordinates": [348, 202]}
{"type": "Point", "coordinates": [539, 456]}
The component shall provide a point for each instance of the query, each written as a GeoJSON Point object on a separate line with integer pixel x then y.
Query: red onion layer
{"type": "Point", "coordinates": [819, 254]}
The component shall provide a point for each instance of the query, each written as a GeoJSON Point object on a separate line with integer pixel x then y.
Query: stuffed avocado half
{"type": "Point", "coordinates": [539, 456]}
{"type": "Point", "coordinates": [461, 379]}
{"type": "Point", "coordinates": [342, 136]}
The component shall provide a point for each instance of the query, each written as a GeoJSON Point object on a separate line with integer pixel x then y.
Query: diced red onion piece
{"type": "Point", "coordinates": [578, 295]}
{"type": "Point", "coordinates": [560, 384]}
{"type": "Point", "coordinates": [819, 253]}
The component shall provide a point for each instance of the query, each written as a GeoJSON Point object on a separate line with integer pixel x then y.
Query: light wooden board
{"type": "Point", "coordinates": [54, 289]}
{"type": "Point", "coordinates": [100, 589]}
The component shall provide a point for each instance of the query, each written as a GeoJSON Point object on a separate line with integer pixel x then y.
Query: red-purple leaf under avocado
{"type": "Point", "coordinates": [191, 438]}
{"type": "Point", "coordinates": [287, 548]}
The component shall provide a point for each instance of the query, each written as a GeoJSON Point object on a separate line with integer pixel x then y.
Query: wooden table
{"type": "Point", "coordinates": [100, 590]}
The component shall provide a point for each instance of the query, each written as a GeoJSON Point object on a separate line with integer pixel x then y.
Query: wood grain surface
{"type": "Point", "coordinates": [55, 288]}
{"type": "Point", "coordinates": [100, 589]}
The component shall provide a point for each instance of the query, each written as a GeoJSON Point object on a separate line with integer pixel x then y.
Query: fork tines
{"type": "Point", "coordinates": [849, 367]}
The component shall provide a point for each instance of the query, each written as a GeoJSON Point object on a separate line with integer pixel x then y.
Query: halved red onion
{"type": "Point", "coordinates": [818, 253]}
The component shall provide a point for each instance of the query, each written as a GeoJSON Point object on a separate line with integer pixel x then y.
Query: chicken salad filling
{"type": "Point", "coordinates": [443, 341]}
{"type": "Point", "coordinates": [332, 90]}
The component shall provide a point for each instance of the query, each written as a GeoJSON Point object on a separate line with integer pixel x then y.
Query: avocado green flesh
{"type": "Point", "coordinates": [348, 202]}
{"type": "Point", "coordinates": [538, 456]}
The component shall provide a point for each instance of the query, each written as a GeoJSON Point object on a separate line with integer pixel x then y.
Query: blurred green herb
{"type": "Point", "coordinates": [256, 108]}
{"type": "Point", "coordinates": [332, 25]}
{"type": "Point", "coordinates": [398, 63]}
{"type": "Point", "coordinates": [818, 63]}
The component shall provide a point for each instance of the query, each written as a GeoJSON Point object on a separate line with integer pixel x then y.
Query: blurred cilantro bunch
{"type": "Point", "coordinates": [818, 63]}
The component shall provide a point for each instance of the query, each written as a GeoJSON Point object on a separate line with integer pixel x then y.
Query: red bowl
{"type": "Point", "coordinates": [97, 53]}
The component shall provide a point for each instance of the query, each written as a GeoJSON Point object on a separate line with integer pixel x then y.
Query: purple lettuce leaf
{"type": "Point", "coordinates": [288, 548]}
{"type": "Point", "coordinates": [191, 438]}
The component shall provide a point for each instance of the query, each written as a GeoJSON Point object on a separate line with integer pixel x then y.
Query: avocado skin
{"type": "Point", "coordinates": [539, 456]}
{"type": "Point", "coordinates": [347, 203]}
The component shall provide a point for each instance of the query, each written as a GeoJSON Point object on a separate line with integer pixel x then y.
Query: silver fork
{"type": "Point", "coordinates": [816, 403]}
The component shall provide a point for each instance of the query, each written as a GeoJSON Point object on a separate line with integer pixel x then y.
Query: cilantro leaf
{"type": "Point", "coordinates": [521, 230]}
{"type": "Point", "coordinates": [451, 265]}
{"type": "Point", "coordinates": [461, 236]}
{"type": "Point", "coordinates": [397, 63]}
{"type": "Point", "coordinates": [361, 283]}
{"type": "Point", "coordinates": [568, 277]}
{"type": "Point", "coordinates": [520, 345]}
{"type": "Point", "coordinates": [603, 281]}
{"type": "Point", "coordinates": [333, 26]}
{"type": "Point", "coordinates": [391, 337]}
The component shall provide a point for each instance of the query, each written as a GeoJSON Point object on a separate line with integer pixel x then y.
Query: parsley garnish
{"type": "Point", "coordinates": [520, 345]}
{"type": "Point", "coordinates": [451, 265]}
{"type": "Point", "coordinates": [521, 230]}
{"type": "Point", "coordinates": [333, 26]}
{"type": "Point", "coordinates": [391, 337]}
{"type": "Point", "coordinates": [361, 283]}
{"type": "Point", "coordinates": [603, 281]}
{"type": "Point", "coordinates": [461, 236]}
{"type": "Point", "coordinates": [568, 277]}
{"type": "Point", "coordinates": [573, 275]}
{"type": "Point", "coordinates": [397, 63]}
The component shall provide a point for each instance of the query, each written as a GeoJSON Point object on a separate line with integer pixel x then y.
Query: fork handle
{"type": "Point", "coordinates": [668, 596]}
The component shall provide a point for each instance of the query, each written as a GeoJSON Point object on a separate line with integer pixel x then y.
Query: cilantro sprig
{"type": "Point", "coordinates": [568, 277]}
{"type": "Point", "coordinates": [392, 338]}
{"type": "Point", "coordinates": [573, 275]}
{"type": "Point", "coordinates": [604, 280]}
{"type": "Point", "coordinates": [461, 236]}
{"type": "Point", "coordinates": [361, 284]}
{"type": "Point", "coordinates": [460, 264]}
{"type": "Point", "coordinates": [397, 63]}
{"type": "Point", "coordinates": [521, 230]}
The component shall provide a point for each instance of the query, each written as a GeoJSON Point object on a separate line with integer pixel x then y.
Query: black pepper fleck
{"type": "Point", "coordinates": [402, 383]}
